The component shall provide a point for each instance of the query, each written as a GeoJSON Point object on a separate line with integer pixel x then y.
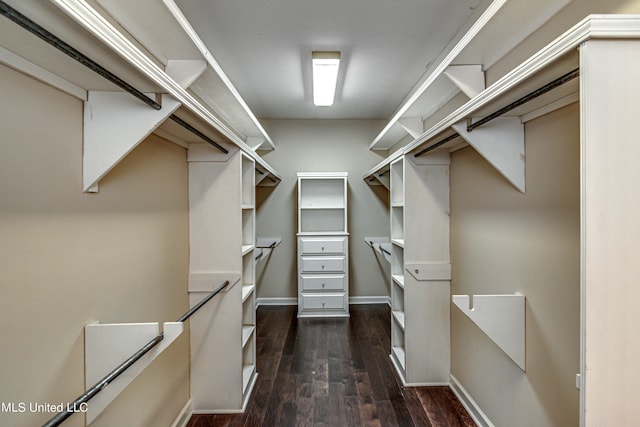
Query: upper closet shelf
{"type": "Point", "coordinates": [544, 82]}
{"type": "Point", "coordinates": [460, 68]}
{"type": "Point", "coordinates": [151, 50]}
{"type": "Point", "coordinates": [162, 29]}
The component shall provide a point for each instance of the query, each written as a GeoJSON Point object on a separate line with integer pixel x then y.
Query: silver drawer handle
{"type": "Point", "coordinates": [323, 285]}
{"type": "Point", "coordinates": [323, 266]}
{"type": "Point", "coordinates": [323, 249]}
{"type": "Point", "coordinates": [322, 303]}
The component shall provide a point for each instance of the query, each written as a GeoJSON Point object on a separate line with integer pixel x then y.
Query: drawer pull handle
{"type": "Point", "coordinates": [323, 304]}
{"type": "Point", "coordinates": [323, 266]}
{"type": "Point", "coordinates": [323, 285]}
{"type": "Point", "coordinates": [323, 249]}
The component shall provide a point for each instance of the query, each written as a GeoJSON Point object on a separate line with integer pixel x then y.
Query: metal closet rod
{"type": "Point", "coordinates": [100, 385]}
{"type": "Point", "coordinates": [520, 101]}
{"type": "Point", "coordinates": [72, 52]}
{"type": "Point", "coordinates": [196, 132]}
{"type": "Point", "coordinates": [54, 41]}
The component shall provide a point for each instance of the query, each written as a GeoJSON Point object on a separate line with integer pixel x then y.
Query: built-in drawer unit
{"type": "Point", "coordinates": [327, 264]}
{"type": "Point", "coordinates": [323, 245]}
{"type": "Point", "coordinates": [323, 301]}
{"type": "Point", "coordinates": [328, 245]}
{"type": "Point", "coordinates": [323, 283]}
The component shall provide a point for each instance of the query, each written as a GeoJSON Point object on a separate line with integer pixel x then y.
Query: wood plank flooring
{"type": "Point", "coordinates": [334, 372]}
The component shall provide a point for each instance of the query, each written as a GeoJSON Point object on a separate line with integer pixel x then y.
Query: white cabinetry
{"type": "Point", "coordinates": [323, 245]}
{"type": "Point", "coordinates": [222, 236]}
{"type": "Point", "coordinates": [419, 255]}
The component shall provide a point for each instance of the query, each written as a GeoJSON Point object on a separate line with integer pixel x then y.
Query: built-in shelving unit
{"type": "Point", "coordinates": [588, 63]}
{"type": "Point", "coordinates": [222, 230]}
{"type": "Point", "coordinates": [419, 305]}
{"type": "Point", "coordinates": [323, 245]}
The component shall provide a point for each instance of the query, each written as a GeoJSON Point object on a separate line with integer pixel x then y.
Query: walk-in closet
{"type": "Point", "coordinates": [193, 235]}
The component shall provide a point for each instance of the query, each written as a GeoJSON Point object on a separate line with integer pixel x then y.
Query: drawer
{"type": "Point", "coordinates": [323, 283]}
{"type": "Point", "coordinates": [325, 245]}
{"type": "Point", "coordinates": [323, 301]}
{"type": "Point", "coordinates": [326, 264]}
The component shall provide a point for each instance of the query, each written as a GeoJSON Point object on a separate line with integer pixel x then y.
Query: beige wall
{"type": "Point", "coordinates": [503, 241]}
{"type": "Point", "coordinates": [322, 146]}
{"type": "Point", "coordinates": [69, 258]}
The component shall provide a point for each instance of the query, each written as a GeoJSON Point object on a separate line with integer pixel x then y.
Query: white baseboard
{"type": "Point", "coordinates": [276, 301]}
{"type": "Point", "coordinates": [352, 300]}
{"type": "Point", "coordinates": [184, 416]}
{"type": "Point", "coordinates": [370, 300]}
{"type": "Point", "coordinates": [469, 404]}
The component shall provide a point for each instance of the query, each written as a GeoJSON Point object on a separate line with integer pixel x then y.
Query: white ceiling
{"type": "Point", "coordinates": [265, 48]}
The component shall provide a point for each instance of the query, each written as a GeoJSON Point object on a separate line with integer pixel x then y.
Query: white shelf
{"type": "Point", "coordinates": [247, 290]}
{"type": "Point", "coordinates": [398, 279]}
{"type": "Point", "coordinates": [246, 249]}
{"type": "Point", "coordinates": [327, 207]}
{"type": "Point", "coordinates": [247, 207]}
{"type": "Point", "coordinates": [398, 242]}
{"type": "Point", "coordinates": [247, 332]}
{"type": "Point", "coordinates": [467, 50]}
{"type": "Point", "coordinates": [165, 58]}
{"type": "Point", "coordinates": [398, 316]}
{"type": "Point", "coordinates": [399, 354]}
{"type": "Point", "coordinates": [248, 372]}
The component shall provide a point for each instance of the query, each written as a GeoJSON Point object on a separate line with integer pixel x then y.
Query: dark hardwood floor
{"type": "Point", "coordinates": [334, 372]}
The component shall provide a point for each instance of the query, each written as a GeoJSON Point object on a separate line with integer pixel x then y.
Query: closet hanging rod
{"type": "Point", "coordinates": [437, 144]}
{"type": "Point", "coordinates": [203, 302]}
{"type": "Point", "coordinates": [111, 376]}
{"type": "Point", "coordinates": [520, 101]}
{"type": "Point", "coordinates": [75, 54]}
{"type": "Point", "coordinates": [272, 245]}
{"type": "Point", "coordinates": [64, 47]}
{"type": "Point", "coordinates": [196, 132]}
{"type": "Point", "coordinates": [528, 97]}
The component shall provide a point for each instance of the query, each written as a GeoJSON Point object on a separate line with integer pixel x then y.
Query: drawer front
{"type": "Point", "coordinates": [323, 264]}
{"type": "Point", "coordinates": [323, 283]}
{"type": "Point", "coordinates": [329, 245]}
{"type": "Point", "coordinates": [323, 301]}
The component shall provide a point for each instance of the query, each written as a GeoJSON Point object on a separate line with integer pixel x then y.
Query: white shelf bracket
{"type": "Point", "coordinates": [114, 124]}
{"type": "Point", "coordinates": [501, 143]}
{"type": "Point", "coordinates": [468, 78]}
{"type": "Point", "coordinates": [108, 345]}
{"type": "Point", "coordinates": [412, 125]}
{"type": "Point", "coordinates": [258, 143]}
{"type": "Point", "coordinates": [501, 318]}
{"type": "Point", "coordinates": [185, 71]}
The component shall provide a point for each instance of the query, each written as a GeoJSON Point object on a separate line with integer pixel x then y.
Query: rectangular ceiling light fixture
{"type": "Point", "coordinates": [325, 77]}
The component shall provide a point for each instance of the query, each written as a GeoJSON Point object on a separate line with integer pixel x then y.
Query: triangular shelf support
{"type": "Point", "coordinates": [468, 78]}
{"type": "Point", "coordinates": [501, 143]}
{"type": "Point", "coordinates": [185, 71]}
{"type": "Point", "coordinates": [114, 124]}
{"type": "Point", "coordinates": [412, 125]}
{"type": "Point", "coordinates": [258, 143]}
{"type": "Point", "coordinates": [108, 345]}
{"type": "Point", "coordinates": [501, 318]}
